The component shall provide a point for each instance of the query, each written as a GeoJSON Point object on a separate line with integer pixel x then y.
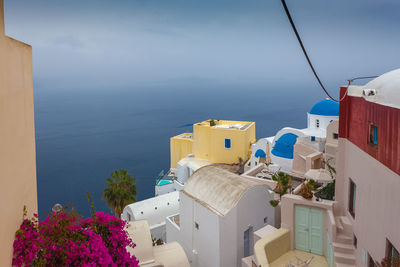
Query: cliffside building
{"type": "Point", "coordinates": [17, 139]}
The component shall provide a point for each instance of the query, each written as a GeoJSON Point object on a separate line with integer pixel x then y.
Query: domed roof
{"type": "Point", "coordinates": [284, 146]}
{"type": "Point", "coordinates": [325, 107]}
{"type": "Point", "coordinates": [217, 189]}
{"type": "Point", "coordinates": [387, 88]}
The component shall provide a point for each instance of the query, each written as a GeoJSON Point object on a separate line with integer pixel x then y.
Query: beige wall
{"type": "Point", "coordinates": [377, 208]}
{"type": "Point", "coordinates": [300, 154]}
{"type": "Point", "coordinates": [331, 146]}
{"type": "Point", "coordinates": [17, 139]}
{"type": "Point", "coordinates": [288, 206]}
{"type": "Point", "coordinates": [179, 149]}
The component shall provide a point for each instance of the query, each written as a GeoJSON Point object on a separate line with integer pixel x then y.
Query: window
{"type": "Point", "coordinates": [265, 219]}
{"type": "Point", "coordinates": [317, 123]}
{"type": "Point", "coordinates": [196, 225]}
{"type": "Point", "coordinates": [312, 138]}
{"type": "Point", "coordinates": [129, 217]}
{"type": "Point", "coordinates": [371, 262]}
{"type": "Point", "coordinates": [373, 135]}
{"type": "Point", "coordinates": [355, 241]}
{"type": "Point", "coordinates": [247, 241]}
{"type": "Point", "coordinates": [335, 136]}
{"type": "Point", "coordinates": [227, 143]}
{"type": "Point", "coordinates": [392, 254]}
{"type": "Point", "coordinates": [352, 198]}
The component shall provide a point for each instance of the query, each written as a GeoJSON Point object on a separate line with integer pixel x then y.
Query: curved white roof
{"type": "Point", "coordinates": [194, 163]}
{"type": "Point", "coordinates": [217, 189]}
{"type": "Point", "coordinates": [387, 88]}
{"type": "Point", "coordinates": [154, 209]}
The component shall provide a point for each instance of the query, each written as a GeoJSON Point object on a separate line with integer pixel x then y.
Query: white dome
{"type": "Point", "coordinates": [387, 88]}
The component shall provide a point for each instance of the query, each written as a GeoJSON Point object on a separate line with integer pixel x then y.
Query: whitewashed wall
{"type": "Point", "coordinates": [251, 210]}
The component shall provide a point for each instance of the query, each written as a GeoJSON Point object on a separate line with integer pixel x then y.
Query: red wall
{"type": "Point", "coordinates": [355, 116]}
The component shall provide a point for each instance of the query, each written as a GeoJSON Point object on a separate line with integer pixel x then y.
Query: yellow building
{"type": "Point", "coordinates": [218, 141]}
{"type": "Point", "coordinates": [17, 139]}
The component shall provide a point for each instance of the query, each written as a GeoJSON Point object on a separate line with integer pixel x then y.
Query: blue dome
{"type": "Point", "coordinates": [283, 147]}
{"type": "Point", "coordinates": [325, 107]}
{"type": "Point", "coordinates": [260, 154]}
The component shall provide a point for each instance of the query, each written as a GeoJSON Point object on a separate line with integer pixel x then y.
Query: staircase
{"type": "Point", "coordinates": [343, 248]}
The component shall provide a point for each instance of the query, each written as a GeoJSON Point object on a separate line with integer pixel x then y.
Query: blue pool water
{"type": "Point", "coordinates": [164, 182]}
{"type": "Point", "coordinates": [84, 134]}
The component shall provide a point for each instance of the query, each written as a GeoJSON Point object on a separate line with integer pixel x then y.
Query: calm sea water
{"type": "Point", "coordinates": [82, 135]}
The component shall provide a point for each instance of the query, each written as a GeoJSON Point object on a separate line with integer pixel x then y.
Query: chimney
{"type": "Point", "coordinates": [2, 31]}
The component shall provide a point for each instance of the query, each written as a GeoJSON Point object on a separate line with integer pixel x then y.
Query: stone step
{"type": "Point", "coordinates": [345, 239]}
{"type": "Point", "coordinates": [344, 248]}
{"type": "Point", "coordinates": [344, 258]}
{"type": "Point", "coordinates": [345, 220]}
{"type": "Point", "coordinates": [339, 224]}
{"type": "Point", "coordinates": [344, 265]}
{"type": "Point", "coordinates": [346, 224]}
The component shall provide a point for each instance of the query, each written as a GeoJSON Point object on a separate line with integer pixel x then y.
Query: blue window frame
{"type": "Point", "coordinates": [227, 143]}
{"type": "Point", "coordinates": [373, 134]}
{"type": "Point", "coordinates": [312, 138]}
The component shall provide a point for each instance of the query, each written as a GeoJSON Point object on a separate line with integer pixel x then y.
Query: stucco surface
{"type": "Point", "coordinates": [293, 256]}
{"type": "Point", "coordinates": [377, 216]}
{"type": "Point", "coordinates": [17, 139]}
{"type": "Point", "coordinates": [171, 255]}
{"type": "Point", "coordinates": [139, 231]}
{"type": "Point", "coordinates": [217, 189]}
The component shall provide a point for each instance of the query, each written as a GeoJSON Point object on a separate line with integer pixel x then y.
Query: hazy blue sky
{"type": "Point", "coordinates": [98, 43]}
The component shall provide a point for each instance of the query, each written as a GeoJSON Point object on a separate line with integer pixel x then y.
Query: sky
{"type": "Point", "coordinates": [80, 44]}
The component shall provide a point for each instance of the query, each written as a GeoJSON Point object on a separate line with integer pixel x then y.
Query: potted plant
{"type": "Point", "coordinates": [307, 188]}
{"type": "Point", "coordinates": [284, 183]}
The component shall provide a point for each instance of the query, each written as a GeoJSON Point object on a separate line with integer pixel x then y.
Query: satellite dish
{"type": "Point", "coordinates": [57, 208]}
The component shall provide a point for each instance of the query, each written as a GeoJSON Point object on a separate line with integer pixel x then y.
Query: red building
{"type": "Point", "coordinates": [368, 181]}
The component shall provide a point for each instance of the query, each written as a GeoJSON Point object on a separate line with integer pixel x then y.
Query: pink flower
{"type": "Point", "coordinates": [62, 239]}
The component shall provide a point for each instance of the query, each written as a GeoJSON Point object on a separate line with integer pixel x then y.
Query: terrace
{"type": "Point", "coordinates": [273, 250]}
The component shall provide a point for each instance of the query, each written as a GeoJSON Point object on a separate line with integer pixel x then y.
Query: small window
{"type": "Point", "coordinates": [312, 138]}
{"type": "Point", "coordinates": [335, 136]}
{"type": "Point", "coordinates": [265, 219]}
{"type": "Point", "coordinates": [355, 241]}
{"type": "Point", "coordinates": [227, 143]}
{"type": "Point", "coordinates": [196, 225]}
{"type": "Point", "coordinates": [352, 198]}
{"type": "Point", "coordinates": [373, 135]}
{"type": "Point", "coordinates": [317, 123]}
{"type": "Point", "coordinates": [129, 217]}
{"type": "Point", "coordinates": [392, 254]}
{"type": "Point", "coordinates": [371, 262]}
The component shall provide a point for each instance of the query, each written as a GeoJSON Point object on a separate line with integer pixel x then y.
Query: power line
{"type": "Point", "coordinates": [305, 52]}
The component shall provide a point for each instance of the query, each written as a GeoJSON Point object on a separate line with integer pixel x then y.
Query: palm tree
{"type": "Point", "coordinates": [120, 191]}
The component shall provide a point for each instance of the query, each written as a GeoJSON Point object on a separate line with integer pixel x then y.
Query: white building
{"type": "Point", "coordinates": [154, 210]}
{"type": "Point", "coordinates": [167, 255]}
{"type": "Point", "coordinates": [278, 150]}
{"type": "Point", "coordinates": [219, 211]}
{"type": "Point", "coordinates": [185, 168]}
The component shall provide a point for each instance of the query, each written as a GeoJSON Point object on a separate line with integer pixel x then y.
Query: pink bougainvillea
{"type": "Point", "coordinates": [62, 239]}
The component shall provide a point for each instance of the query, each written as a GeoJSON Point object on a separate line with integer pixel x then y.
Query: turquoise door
{"type": "Point", "coordinates": [316, 235]}
{"type": "Point", "coordinates": [308, 230]}
{"type": "Point", "coordinates": [302, 233]}
{"type": "Point", "coordinates": [329, 251]}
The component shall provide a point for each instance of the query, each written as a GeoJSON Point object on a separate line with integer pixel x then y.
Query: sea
{"type": "Point", "coordinates": [84, 134]}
